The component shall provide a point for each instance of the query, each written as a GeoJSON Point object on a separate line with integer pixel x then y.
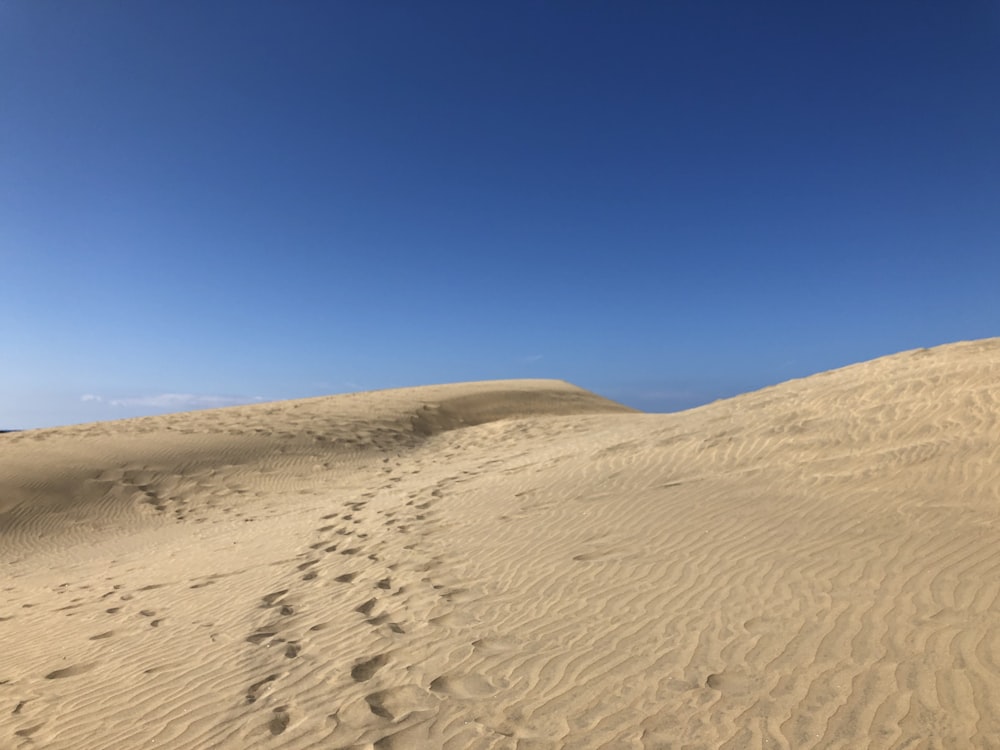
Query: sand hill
{"type": "Point", "coordinates": [516, 564]}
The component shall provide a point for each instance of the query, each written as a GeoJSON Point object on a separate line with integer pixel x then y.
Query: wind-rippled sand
{"type": "Point", "coordinates": [516, 564]}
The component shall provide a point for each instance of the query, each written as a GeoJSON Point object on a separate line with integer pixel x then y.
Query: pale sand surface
{"type": "Point", "coordinates": [516, 564]}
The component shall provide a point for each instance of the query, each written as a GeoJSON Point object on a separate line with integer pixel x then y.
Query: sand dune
{"type": "Point", "coordinates": [516, 564]}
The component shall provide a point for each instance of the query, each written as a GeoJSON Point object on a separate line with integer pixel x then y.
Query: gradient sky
{"type": "Point", "coordinates": [204, 203]}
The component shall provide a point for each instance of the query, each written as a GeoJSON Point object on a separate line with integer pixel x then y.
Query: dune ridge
{"type": "Point", "coordinates": [516, 564]}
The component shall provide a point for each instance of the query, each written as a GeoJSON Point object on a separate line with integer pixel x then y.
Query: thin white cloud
{"type": "Point", "coordinates": [531, 358]}
{"type": "Point", "coordinates": [172, 401]}
{"type": "Point", "coordinates": [183, 401]}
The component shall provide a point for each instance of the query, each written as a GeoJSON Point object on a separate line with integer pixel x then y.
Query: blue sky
{"type": "Point", "coordinates": [205, 203]}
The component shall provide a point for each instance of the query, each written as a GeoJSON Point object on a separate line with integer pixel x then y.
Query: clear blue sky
{"type": "Point", "coordinates": [668, 202]}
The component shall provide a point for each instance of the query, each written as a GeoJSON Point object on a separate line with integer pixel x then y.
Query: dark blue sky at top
{"type": "Point", "coordinates": [666, 203]}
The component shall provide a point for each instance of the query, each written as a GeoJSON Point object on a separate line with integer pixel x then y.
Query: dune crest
{"type": "Point", "coordinates": [516, 564]}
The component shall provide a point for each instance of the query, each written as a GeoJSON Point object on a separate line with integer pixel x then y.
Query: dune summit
{"type": "Point", "coordinates": [516, 564]}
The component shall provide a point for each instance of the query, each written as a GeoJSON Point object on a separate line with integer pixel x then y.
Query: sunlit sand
{"type": "Point", "coordinates": [516, 564]}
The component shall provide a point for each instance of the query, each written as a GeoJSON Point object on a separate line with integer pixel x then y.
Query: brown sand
{"type": "Point", "coordinates": [516, 564]}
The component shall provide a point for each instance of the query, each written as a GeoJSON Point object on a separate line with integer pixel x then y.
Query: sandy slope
{"type": "Point", "coordinates": [516, 565]}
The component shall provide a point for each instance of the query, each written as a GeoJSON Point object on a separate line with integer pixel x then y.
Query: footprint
{"type": "Point", "coordinates": [367, 607]}
{"type": "Point", "coordinates": [272, 598]}
{"type": "Point", "coordinates": [463, 686]}
{"type": "Point", "coordinates": [346, 577]}
{"type": "Point", "coordinates": [254, 691]}
{"type": "Point", "coordinates": [376, 703]}
{"type": "Point", "coordinates": [69, 671]}
{"type": "Point", "coordinates": [733, 683]}
{"type": "Point", "coordinates": [101, 636]}
{"type": "Point", "coordinates": [364, 671]}
{"type": "Point", "coordinates": [260, 636]}
{"type": "Point", "coordinates": [279, 721]}
{"type": "Point", "coordinates": [28, 731]}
